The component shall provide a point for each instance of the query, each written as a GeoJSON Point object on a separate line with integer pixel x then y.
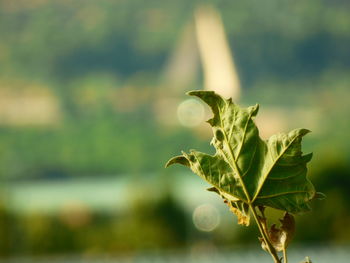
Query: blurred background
{"type": "Point", "coordinates": [92, 105]}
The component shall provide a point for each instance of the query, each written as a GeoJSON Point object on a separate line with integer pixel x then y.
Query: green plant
{"type": "Point", "coordinates": [251, 174]}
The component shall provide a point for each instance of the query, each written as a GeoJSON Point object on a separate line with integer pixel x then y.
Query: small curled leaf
{"type": "Point", "coordinates": [280, 237]}
{"type": "Point", "coordinates": [306, 260]}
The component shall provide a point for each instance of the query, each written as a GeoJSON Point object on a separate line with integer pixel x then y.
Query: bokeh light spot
{"type": "Point", "coordinates": [190, 113]}
{"type": "Point", "coordinates": [206, 217]}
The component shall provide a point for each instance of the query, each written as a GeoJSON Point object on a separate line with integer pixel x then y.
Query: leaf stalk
{"type": "Point", "coordinates": [265, 237]}
{"type": "Point", "coordinates": [285, 259]}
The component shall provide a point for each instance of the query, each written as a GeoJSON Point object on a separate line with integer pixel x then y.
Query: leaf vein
{"type": "Point", "coordinates": [279, 194]}
{"type": "Point", "coordinates": [272, 166]}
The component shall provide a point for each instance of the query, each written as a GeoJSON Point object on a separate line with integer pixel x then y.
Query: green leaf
{"type": "Point", "coordinates": [245, 170]}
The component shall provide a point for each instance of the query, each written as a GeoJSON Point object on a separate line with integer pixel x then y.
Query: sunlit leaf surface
{"type": "Point", "coordinates": [246, 170]}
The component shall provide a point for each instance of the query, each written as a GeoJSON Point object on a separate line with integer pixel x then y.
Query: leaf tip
{"type": "Point", "coordinates": [254, 109]}
{"type": "Point", "coordinates": [303, 131]}
{"type": "Point", "coordinates": [320, 196]}
{"type": "Point", "coordinates": [178, 160]}
{"type": "Point", "coordinates": [208, 96]}
{"type": "Point", "coordinates": [213, 189]}
{"type": "Point", "coordinates": [198, 93]}
{"type": "Point", "coordinates": [168, 163]}
{"type": "Point", "coordinates": [307, 157]}
{"type": "Point", "coordinates": [191, 93]}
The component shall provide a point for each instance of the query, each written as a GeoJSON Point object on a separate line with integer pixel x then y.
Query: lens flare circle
{"type": "Point", "coordinates": [206, 218]}
{"type": "Point", "coordinates": [190, 113]}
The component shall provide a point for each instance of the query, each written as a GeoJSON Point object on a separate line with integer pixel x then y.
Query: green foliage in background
{"type": "Point", "coordinates": [92, 233]}
{"type": "Point", "coordinates": [294, 41]}
{"type": "Point", "coordinates": [104, 63]}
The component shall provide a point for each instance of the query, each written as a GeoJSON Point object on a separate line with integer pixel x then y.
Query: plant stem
{"type": "Point", "coordinates": [285, 260]}
{"type": "Point", "coordinates": [266, 239]}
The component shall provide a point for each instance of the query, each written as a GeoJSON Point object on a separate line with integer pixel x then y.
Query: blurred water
{"type": "Point", "coordinates": [316, 254]}
{"type": "Point", "coordinates": [111, 193]}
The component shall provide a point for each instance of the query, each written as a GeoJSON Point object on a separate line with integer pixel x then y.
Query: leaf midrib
{"type": "Point", "coordinates": [233, 160]}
